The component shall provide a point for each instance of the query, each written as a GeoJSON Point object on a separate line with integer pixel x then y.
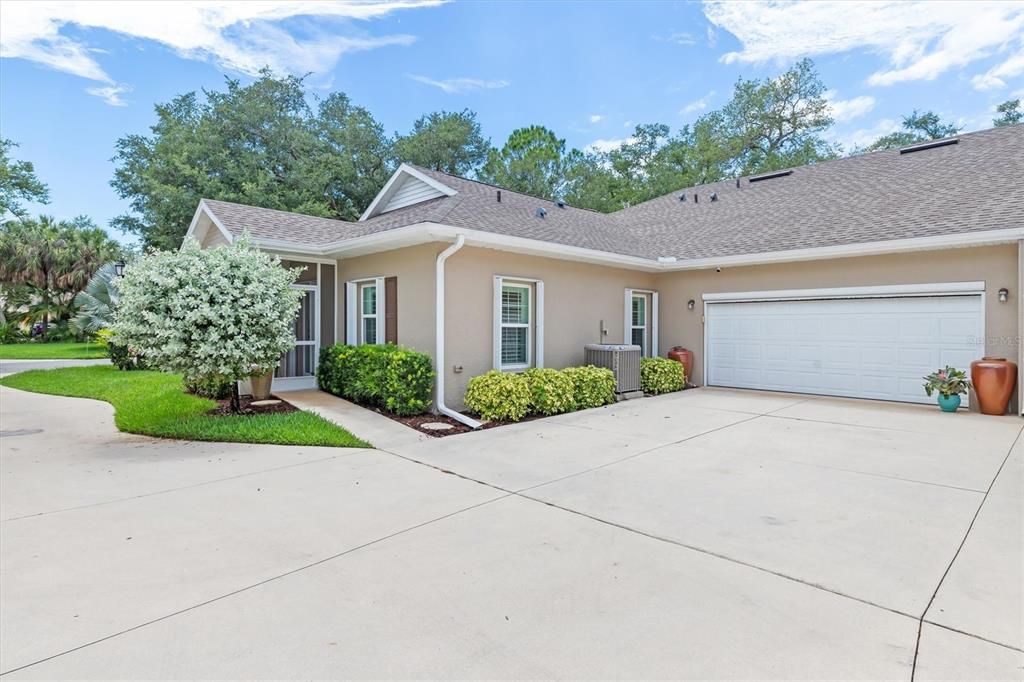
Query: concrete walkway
{"type": "Point", "coordinates": [709, 534]}
{"type": "Point", "coordinates": [382, 432]}
{"type": "Point", "coordinates": [13, 366]}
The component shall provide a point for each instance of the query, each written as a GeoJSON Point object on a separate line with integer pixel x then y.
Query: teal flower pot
{"type": "Point", "coordinates": [949, 403]}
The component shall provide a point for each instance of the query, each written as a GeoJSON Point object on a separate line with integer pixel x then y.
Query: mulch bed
{"type": "Point", "coordinates": [224, 406]}
{"type": "Point", "coordinates": [417, 422]}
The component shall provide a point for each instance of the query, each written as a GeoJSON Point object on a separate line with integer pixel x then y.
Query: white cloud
{"type": "Point", "coordinates": [862, 137]}
{"type": "Point", "coordinates": [843, 110]}
{"type": "Point", "coordinates": [454, 86]}
{"type": "Point", "coordinates": [682, 38]}
{"type": "Point", "coordinates": [608, 145]}
{"type": "Point", "coordinates": [698, 104]}
{"type": "Point", "coordinates": [995, 78]}
{"type": "Point", "coordinates": [237, 36]}
{"type": "Point", "coordinates": [111, 94]}
{"type": "Point", "coordinates": [596, 118]}
{"type": "Point", "coordinates": [920, 39]}
{"type": "Point", "coordinates": [627, 124]}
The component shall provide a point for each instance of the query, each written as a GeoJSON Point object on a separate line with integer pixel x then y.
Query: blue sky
{"type": "Point", "coordinates": [75, 77]}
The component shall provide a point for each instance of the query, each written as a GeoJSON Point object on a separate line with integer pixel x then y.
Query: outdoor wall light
{"type": "Point", "coordinates": [119, 268]}
{"type": "Point", "coordinates": [1004, 294]}
{"type": "Point", "coordinates": [690, 304]}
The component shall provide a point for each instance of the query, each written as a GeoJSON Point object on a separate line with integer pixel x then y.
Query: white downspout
{"type": "Point", "coordinates": [460, 240]}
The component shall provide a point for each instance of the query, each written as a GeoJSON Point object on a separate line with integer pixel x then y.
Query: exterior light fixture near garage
{"type": "Point", "coordinates": [690, 304]}
{"type": "Point", "coordinates": [1004, 295]}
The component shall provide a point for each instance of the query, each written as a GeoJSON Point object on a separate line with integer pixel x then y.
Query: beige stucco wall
{"type": "Point", "coordinates": [577, 297]}
{"type": "Point", "coordinates": [997, 266]}
{"type": "Point", "coordinates": [414, 268]}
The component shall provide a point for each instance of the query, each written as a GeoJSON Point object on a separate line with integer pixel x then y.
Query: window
{"type": "Point", "coordinates": [638, 323]}
{"type": "Point", "coordinates": [366, 310]}
{"type": "Point", "coordinates": [640, 327]}
{"type": "Point", "coordinates": [515, 325]}
{"type": "Point", "coordinates": [368, 313]}
{"type": "Point", "coordinates": [518, 323]}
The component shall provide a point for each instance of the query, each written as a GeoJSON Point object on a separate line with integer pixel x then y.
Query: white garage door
{"type": "Point", "coordinates": [863, 347]}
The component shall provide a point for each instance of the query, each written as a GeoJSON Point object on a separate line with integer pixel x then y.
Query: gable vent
{"type": "Point", "coordinates": [769, 176]}
{"type": "Point", "coordinates": [930, 144]}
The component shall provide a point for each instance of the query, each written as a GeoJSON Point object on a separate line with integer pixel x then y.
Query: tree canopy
{"type": "Point", "coordinates": [917, 127]}
{"type": "Point", "coordinates": [272, 144]}
{"type": "Point", "coordinates": [447, 141]}
{"type": "Point", "coordinates": [1009, 112]}
{"type": "Point", "coordinates": [18, 182]}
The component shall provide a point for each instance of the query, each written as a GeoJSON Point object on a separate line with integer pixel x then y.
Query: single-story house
{"type": "Point", "coordinates": [853, 277]}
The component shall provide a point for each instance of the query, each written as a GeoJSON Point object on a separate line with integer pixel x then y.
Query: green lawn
{"type": "Point", "coordinates": [52, 351]}
{"type": "Point", "coordinates": [154, 404]}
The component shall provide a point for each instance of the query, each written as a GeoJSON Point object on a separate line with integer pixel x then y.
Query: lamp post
{"type": "Point", "coordinates": [119, 268]}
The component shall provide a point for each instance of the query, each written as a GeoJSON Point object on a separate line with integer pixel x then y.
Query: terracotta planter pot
{"type": "Point", "coordinates": [994, 380]}
{"type": "Point", "coordinates": [261, 384]}
{"type": "Point", "coordinates": [680, 354]}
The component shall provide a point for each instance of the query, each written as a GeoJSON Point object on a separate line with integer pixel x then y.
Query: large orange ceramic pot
{"type": "Point", "coordinates": [680, 354]}
{"type": "Point", "coordinates": [993, 380]}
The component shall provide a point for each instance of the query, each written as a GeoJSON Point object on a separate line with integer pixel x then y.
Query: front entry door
{"type": "Point", "coordinates": [299, 364]}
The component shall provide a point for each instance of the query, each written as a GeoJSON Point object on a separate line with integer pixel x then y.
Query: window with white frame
{"type": "Point", "coordinates": [641, 320]}
{"type": "Point", "coordinates": [518, 320]}
{"type": "Point", "coordinates": [638, 323]}
{"type": "Point", "coordinates": [364, 311]}
{"type": "Point", "coordinates": [368, 327]}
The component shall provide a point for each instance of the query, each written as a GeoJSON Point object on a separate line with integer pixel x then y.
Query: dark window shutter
{"type": "Point", "coordinates": [391, 310]}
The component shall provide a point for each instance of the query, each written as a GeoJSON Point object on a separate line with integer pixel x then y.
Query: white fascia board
{"type": "Point", "coordinates": [950, 241]}
{"type": "Point", "coordinates": [201, 210]}
{"type": "Point", "coordinates": [391, 185]}
{"type": "Point", "coordinates": [883, 291]}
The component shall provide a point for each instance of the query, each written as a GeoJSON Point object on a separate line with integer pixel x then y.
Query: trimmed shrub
{"type": "Point", "coordinates": [592, 386]}
{"type": "Point", "coordinates": [499, 396]}
{"type": "Point", "coordinates": [397, 379]}
{"type": "Point", "coordinates": [661, 375]}
{"type": "Point", "coordinates": [123, 357]}
{"type": "Point", "coordinates": [213, 386]}
{"type": "Point", "coordinates": [551, 391]}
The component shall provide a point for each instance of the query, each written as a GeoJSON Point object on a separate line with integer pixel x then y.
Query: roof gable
{"type": "Point", "coordinates": [406, 187]}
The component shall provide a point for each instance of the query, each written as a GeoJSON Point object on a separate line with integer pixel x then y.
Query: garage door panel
{"type": "Point", "coordinates": [859, 347]}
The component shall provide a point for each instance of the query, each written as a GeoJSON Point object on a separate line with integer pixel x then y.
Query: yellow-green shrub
{"type": "Point", "coordinates": [661, 375]}
{"type": "Point", "coordinates": [592, 386]}
{"type": "Point", "coordinates": [499, 396]}
{"type": "Point", "coordinates": [551, 391]}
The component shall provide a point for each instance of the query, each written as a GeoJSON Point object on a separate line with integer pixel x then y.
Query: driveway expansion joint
{"type": "Point", "coordinates": [963, 541]}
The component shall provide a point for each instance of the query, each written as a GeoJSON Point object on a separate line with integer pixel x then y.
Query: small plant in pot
{"type": "Point", "coordinates": [949, 383]}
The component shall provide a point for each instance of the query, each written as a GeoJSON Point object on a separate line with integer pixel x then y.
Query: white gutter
{"type": "Point", "coordinates": [460, 240]}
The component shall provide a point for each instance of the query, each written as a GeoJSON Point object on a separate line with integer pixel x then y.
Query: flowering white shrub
{"type": "Point", "coordinates": [228, 311]}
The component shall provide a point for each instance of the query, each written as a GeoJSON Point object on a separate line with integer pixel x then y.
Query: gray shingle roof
{"type": "Point", "coordinates": [975, 185]}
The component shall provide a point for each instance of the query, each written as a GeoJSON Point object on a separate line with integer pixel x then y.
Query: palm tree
{"type": "Point", "coordinates": [51, 260]}
{"type": "Point", "coordinates": [97, 301]}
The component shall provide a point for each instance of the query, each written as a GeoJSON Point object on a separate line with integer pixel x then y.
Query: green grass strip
{"type": "Point", "coordinates": [52, 351]}
{"type": "Point", "coordinates": [154, 404]}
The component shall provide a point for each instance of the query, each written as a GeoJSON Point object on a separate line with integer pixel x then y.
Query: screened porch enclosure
{"type": "Point", "coordinates": [300, 361]}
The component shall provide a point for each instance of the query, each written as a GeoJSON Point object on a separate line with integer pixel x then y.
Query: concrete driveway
{"type": "Point", "coordinates": [708, 534]}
